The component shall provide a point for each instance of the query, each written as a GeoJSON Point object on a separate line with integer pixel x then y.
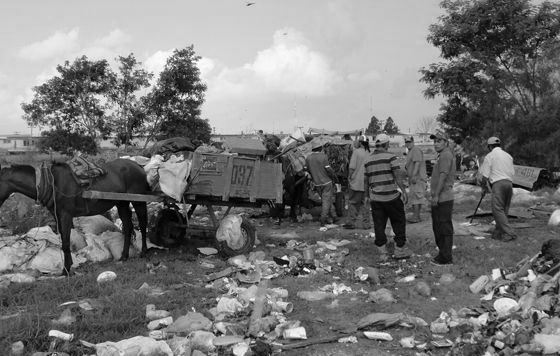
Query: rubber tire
{"type": "Point", "coordinates": [165, 235]}
{"type": "Point", "coordinates": [249, 232]}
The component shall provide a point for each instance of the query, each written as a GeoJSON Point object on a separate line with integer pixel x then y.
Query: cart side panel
{"type": "Point", "coordinates": [208, 174]}
{"type": "Point", "coordinates": [235, 177]}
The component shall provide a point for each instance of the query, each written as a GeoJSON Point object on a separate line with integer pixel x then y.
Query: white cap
{"type": "Point", "coordinates": [381, 139]}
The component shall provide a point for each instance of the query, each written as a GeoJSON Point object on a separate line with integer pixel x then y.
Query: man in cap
{"type": "Point", "coordinates": [497, 172]}
{"type": "Point", "coordinates": [356, 207]}
{"type": "Point", "coordinates": [383, 177]}
{"type": "Point", "coordinates": [441, 191]}
{"type": "Point", "coordinates": [317, 164]}
{"type": "Point", "coordinates": [416, 171]}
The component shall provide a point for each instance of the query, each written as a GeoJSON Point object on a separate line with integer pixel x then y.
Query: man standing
{"type": "Point", "coordinates": [383, 177]}
{"type": "Point", "coordinates": [416, 172]}
{"type": "Point", "coordinates": [441, 189]}
{"type": "Point", "coordinates": [323, 175]}
{"type": "Point", "coordinates": [356, 190]}
{"type": "Point", "coordinates": [497, 172]}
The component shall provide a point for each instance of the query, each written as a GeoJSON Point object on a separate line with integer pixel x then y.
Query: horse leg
{"type": "Point", "coordinates": [142, 214]}
{"type": "Point", "coordinates": [126, 217]}
{"type": "Point", "coordinates": [64, 224]}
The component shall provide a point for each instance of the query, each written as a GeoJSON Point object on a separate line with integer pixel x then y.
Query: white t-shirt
{"type": "Point", "coordinates": [498, 165]}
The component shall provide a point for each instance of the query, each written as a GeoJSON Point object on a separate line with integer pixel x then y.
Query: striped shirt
{"type": "Point", "coordinates": [379, 169]}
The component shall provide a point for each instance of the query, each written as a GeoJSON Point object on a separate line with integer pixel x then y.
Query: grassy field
{"type": "Point", "coordinates": [27, 311]}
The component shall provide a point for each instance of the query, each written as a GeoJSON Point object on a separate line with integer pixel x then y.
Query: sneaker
{"type": "Point", "coordinates": [401, 253]}
{"type": "Point", "coordinates": [383, 253]}
{"type": "Point", "coordinates": [437, 262]}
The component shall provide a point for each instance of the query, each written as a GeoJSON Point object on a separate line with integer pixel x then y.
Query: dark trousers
{"type": "Point", "coordinates": [357, 212]}
{"type": "Point", "coordinates": [393, 210]}
{"type": "Point", "coordinates": [443, 229]}
{"type": "Point", "coordinates": [502, 192]}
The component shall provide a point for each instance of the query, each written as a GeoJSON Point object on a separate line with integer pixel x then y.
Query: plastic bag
{"type": "Point", "coordinates": [230, 230]}
{"type": "Point", "coordinates": [173, 175]}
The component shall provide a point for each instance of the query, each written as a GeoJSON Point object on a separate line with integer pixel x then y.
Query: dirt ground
{"type": "Point", "coordinates": [474, 255]}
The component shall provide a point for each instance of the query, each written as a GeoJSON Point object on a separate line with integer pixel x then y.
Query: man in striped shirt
{"type": "Point", "coordinates": [383, 176]}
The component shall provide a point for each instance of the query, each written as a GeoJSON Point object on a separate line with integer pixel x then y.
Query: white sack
{"type": "Point", "coordinates": [135, 346]}
{"type": "Point", "coordinates": [152, 168]}
{"type": "Point", "coordinates": [554, 218]}
{"type": "Point", "coordinates": [230, 231]}
{"type": "Point", "coordinates": [49, 260]}
{"type": "Point", "coordinates": [77, 240]}
{"type": "Point", "coordinates": [18, 253]}
{"type": "Point", "coordinates": [95, 251]}
{"type": "Point", "coordinates": [44, 233]}
{"type": "Point", "coordinates": [173, 176]}
{"type": "Point", "coordinates": [95, 224]}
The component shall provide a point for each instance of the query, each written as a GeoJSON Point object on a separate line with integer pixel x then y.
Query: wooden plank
{"type": "Point", "coordinates": [95, 194]}
{"type": "Point", "coordinates": [227, 181]}
{"type": "Point", "coordinates": [256, 182]}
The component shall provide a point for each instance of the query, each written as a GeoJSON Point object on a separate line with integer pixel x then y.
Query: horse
{"type": "Point", "coordinates": [61, 194]}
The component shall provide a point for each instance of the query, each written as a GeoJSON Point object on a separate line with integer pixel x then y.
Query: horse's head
{"type": "Point", "coordinates": [17, 178]}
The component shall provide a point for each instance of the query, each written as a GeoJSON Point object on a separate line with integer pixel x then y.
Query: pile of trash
{"type": "Point", "coordinates": [38, 252]}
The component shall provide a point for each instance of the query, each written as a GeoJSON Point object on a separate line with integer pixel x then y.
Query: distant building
{"type": "Point", "coordinates": [18, 143]}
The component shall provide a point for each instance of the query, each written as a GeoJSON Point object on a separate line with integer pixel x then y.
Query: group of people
{"type": "Point", "coordinates": [376, 177]}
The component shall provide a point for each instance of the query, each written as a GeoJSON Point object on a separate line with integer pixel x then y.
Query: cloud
{"type": "Point", "coordinates": [366, 77]}
{"type": "Point", "coordinates": [289, 66]}
{"type": "Point", "coordinates": [156, 62]}
{"type": "Point", "coordinates": [55, 45]}
{"type": "Point", "coordinates": [115, 38]}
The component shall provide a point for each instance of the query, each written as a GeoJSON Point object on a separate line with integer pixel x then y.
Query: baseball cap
{"type": "Point", "coordinates": [381, 139]}
{"type": "Point", "coordinates": [409, 139]}
{"type": "Point", "coordinates": [493, 141]}
{"type": "Point", "coordinates": [440, 135]}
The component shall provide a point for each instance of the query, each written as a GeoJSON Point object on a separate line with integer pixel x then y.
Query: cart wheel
{"type": "Point", "coordinates": [245, 243]}
{"type": "Point", "coordinates": [170, 227]}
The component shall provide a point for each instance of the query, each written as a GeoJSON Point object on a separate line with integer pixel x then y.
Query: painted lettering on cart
{"type": "Point", "coordinates": [241, 175]}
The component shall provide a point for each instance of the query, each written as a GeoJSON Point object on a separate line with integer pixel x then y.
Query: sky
{"type": "Point", "coordinates": [273, 65]}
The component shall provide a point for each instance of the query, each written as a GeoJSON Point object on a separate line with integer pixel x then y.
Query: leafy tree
{"type": "Point", "coordinates": [173, 106]}
{"type": "Point", "coordinates": [72, 101]}
{"type": "Point", "coordinates": [66, 142]}
{"type": "Point", "coordinates": [128, 114]}
{"type": "Point", "coordinates": [390, 127]}
{"type": "Point", "coordinates": [500, 72]}
{"type": "Point", "coordinates": [374, 126]}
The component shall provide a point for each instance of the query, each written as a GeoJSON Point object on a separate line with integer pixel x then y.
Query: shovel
{"type": "Point", "coordinates": [478, 205]}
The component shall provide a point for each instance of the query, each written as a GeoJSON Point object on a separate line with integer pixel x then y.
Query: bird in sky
{"type": "Point", "coordinates": [250, 3]}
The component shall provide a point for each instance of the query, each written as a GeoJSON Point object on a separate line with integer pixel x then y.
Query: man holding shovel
{"type": "Point", "coordinates": [497, 173]}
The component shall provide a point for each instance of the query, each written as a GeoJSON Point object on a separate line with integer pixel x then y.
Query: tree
{"type": "Point", "coordinates": [173, 106]}
{"type": "Point", "coordinates": [128, 116]}
{"type": "Point", "coordinates": [66, 142]}
{"type": "Point", "coordinates": [500, 71]}
{"type": "Point", "coordinates": [374, 126]}
{"type": "Point", "coordinates": [72, 101]}
{"type": "Point", "coordinates": [390, 127]}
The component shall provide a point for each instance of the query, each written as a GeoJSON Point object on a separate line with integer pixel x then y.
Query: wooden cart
{"type": "Point", "coordinates": [215, 180]}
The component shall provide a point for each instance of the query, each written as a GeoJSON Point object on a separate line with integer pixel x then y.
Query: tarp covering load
{"type": "Point", "coordinates": [244, 146]}
{"type": "Point", "coordinates": [168, 147]}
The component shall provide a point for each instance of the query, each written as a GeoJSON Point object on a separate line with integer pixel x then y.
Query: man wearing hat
{"type": "Point", "coordinates": [441, 191]}
{"type": "Point", "coordinates": [356, 207]}
{"type": "Point", "coordinates": [416, 171]}
{"type": "Point", "coordinates": [497, 172]}
{"type": "Point", "coordinates": [383, 178]}
{"type": "Point", "coordinates": [317, 164]}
